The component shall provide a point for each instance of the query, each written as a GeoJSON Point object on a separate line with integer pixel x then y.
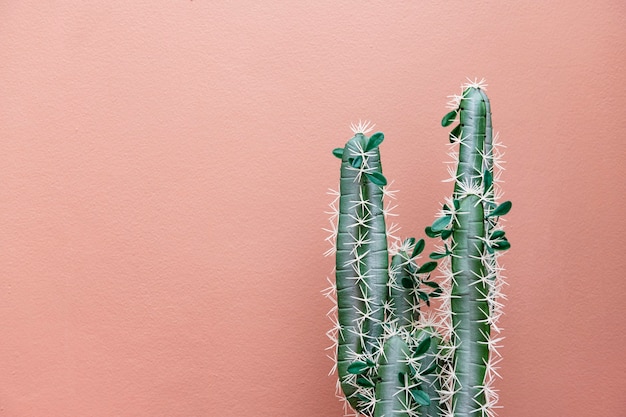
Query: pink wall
{"type": "Point", "coordinates": [163, 169]}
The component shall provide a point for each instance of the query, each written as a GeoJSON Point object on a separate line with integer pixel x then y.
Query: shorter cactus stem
{"type": "Point", "coordinates": [404, 307]}
{"type": "Point", "coordinates": [392, 395]}
{"type": "Point", "coordinates": [429, 366]}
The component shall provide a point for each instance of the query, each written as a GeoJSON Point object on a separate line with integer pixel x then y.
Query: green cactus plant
{"type": "Point", "coordinates": [396, 354]}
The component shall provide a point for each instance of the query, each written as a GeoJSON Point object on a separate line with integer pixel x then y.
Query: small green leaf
{"type": "Point", "coordinates": [456, 133]}
{"type": "Point", "coordinates": [448, 118]}
{"type": "Point", "coordinates": [446, 233]}
{"type": "Point", "coordinates": [501, 210]}
{"type": "Point", "coordinates": [427, 267]}
{"type": "Point", "coordinates": [431, 284]}
{"type": "Point", "coordinates": [441, 223]}
{"type": "Point", "coordinates": [419, 247]}
{"type": "Point", "coordinates": [501, 245]}
{"type": "Point", "coordinates": [407, 283]}
{"type": "Point", "coordinates": [356, 162]}
{"type": "Point", "coordinates": [409, 242]}
{"type": "Point", "coordinates": [370, 363]}
{"type": "Point", "coordinates": [497, 234]}
{"type": "Point", "coordinates": [457, 204]}
{"type": "Point", "coordinates": [430, 233]}
{"type": "Point", "coordinates": [422, 296]}
{"type": "Point", "coordinates": [357, 368]}
{"type": "Point", "coordinates": [364, 382]}
{"type": "Point", "coordinates": [420, 397]}
{"type": "Point", "coordinates": [488, 180]}
{"type": "Point", "coordinates": [401, 377]}
{"type": "Point", "coordinates": [375, 140]}
{"type": "Point", "coordinates": [422, 347]}
{"type": "Point", "coordinates": [377, 178]}
{"type": "Point", "coordinates": [338, 152]}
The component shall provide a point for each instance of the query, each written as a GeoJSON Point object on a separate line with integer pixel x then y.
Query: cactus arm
{"type": "Point", "coordinates": [361, 260]}
{"type": "Point", "coordinates": [392, 395]}
{"type": "Point", "coordinates": [469, 302]}
{"type": "Point", "coordinates": [404, 308]}
{"type": "Point", "coordinates": [349, 289]}
{"type": "Point", "coordinates": [427, 377]}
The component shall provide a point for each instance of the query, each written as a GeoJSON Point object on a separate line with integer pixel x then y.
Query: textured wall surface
{"type": "Point", "coordinates": [163, 177]}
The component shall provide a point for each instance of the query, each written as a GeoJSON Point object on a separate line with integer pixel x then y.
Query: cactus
{"type": "Point", "coordinates": [396, 355]}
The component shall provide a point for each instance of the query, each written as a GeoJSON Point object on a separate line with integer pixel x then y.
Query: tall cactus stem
{"type": "Point", "coordinates": [469, 305]}
{"type": "Point", "coordinates": [473, 266]}
{"type": "Point", "coordinates": [361, 258]}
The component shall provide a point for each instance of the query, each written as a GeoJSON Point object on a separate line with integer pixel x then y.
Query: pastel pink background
{"type": "Point", "coordinates": [163, 177]}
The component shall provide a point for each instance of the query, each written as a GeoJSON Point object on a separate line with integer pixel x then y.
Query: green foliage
{"type": "Point", "coordinates": [449, 118]}
{"type": "Point", "coordinates": [501, 210]}
{"type": "Point", "coordinates": [358, 368]}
